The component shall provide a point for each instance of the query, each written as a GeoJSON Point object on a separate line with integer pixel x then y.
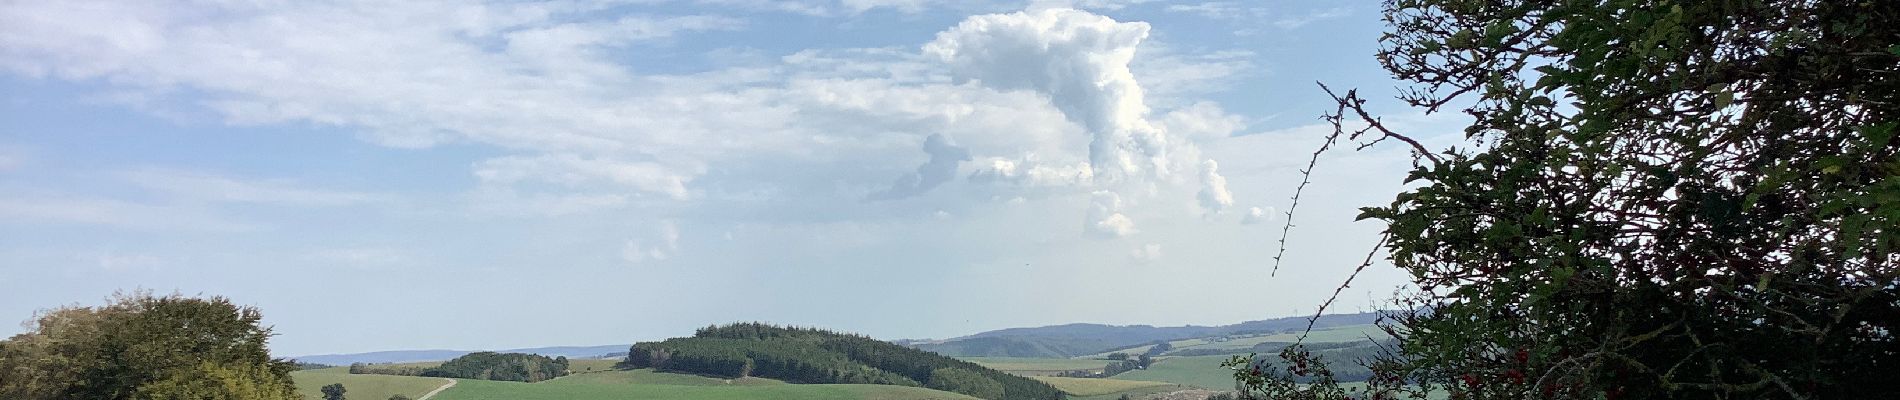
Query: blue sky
{"type": "Point", "coordinates": [474, 175]}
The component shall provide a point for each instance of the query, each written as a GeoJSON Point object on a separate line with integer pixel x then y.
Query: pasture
{"type": "Point", "coordinates": [572, 389]}
{"type": "Point", "coordinates": [362, 386]}
{"type": "Point", "coordinates": [1036, 366]}
{"type": "Point", "coordinates": [1098, 386]}
{"type": "Point", "coordinates": [1198, 371]}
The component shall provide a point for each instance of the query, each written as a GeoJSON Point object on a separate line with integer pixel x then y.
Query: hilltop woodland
{"type": "Point", "coordinates": [486, 365]}
{"type": "Point", "coordinates": [145, 347]}
{"type": "Point", "coordinates": [803, 355]}
{"type": "Point", "coordinates": [1654, 200]}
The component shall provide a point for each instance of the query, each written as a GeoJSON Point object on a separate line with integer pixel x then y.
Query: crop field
{"type": "Point", "coordinates": [362, 386]}
{"type": "Point", "coordinates": [1352, 333]}
{"type": "Point", "coordinates": [591, 365]}
{"type": "Point", "coordinates": [650, 377]}
{"type": "Point", "coordinates": [1036, 366]}
{"type": "Point", "coordinates": [566, 389]}
{"type": "Point", "coordinates": [1198, 371]}
{"type": "Point", "coordinates": [1098, 386]}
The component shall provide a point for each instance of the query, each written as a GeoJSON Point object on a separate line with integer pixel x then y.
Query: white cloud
{"type": "Point", "coordinates": [585, 172]}
{"type": "Point", "coordinates": [505, 201]}
{"type": "Point", "coordinates": [1295, 22]}
{"type": "Point", "coordinates": [1029, 172]}
{"type": "Point", "coordinates": [198, 186]}
{"type": "Point", "coordinates": [1080, 61]}
{"type": "Point", "coordinates": [1049, 99]}
{"type": "Point", "coordinates": [113, 213]}
{"type": "Point", "coordinates": [1105, 218]}
{"type": "Point", "coordinates": [942, 167]}
{"type": "Point", "coordinates": [1214, 196]}
{"type": "Point", "coordinates": [1202, 121]}
{"type": "Point", "coordinates": [1257, 215]}
{"type": "Point", "coordinates": [1169, 75]}
{"type": "Point", "coordinates": [664, 244]}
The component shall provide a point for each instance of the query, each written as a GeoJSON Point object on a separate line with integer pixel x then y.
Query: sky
{"type": "Point", "coordinates": [468, 174]}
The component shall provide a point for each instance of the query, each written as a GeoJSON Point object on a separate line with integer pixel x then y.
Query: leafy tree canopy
{"type": "Point", "coordinates": [1655, 199]}
{"type": "Point", "coordinates": [140, 346]}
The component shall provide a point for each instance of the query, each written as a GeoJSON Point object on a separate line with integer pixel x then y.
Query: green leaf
{"type": "Point", "coordinates": [1879, 134]}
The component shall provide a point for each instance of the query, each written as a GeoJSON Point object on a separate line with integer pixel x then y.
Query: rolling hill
{"type": "Point", "coordinates": [1070, 340]}
{"type": "Point", "coordinates": [406, 356]}
{"type": "Point", "coordinates": [813, 356]}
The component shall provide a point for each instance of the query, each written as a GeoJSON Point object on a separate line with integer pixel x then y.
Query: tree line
{"type": "Point", "coordinates": [486, 365]}
{"type": "Point", "coordinates": [808, 355]}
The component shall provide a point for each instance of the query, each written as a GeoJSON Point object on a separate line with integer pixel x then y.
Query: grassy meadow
{"type": "Point", "coordinates": [1036, 366]}
{"type": "Point", "coordinates": [363, 386]}
{"type": "Point", "coordinates": [603, 385]}
{"type": "Point", "coordinates": [1198, 371]}
{"type": "Point", "coordinates": [630, 385]}
{"type": "Point", "coordinates": [1098, 386]}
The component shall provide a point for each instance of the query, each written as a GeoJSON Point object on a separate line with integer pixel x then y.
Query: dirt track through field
{"type": "Point", "coordinates": [445, 386]}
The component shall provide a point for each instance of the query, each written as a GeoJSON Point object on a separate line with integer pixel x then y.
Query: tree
{"type": "Point", "coordinates": [398, 397]}
{"type": "Point", "coordinates": [140, 346]}
{"type": "Point", "coordinates": [333, 391]}
{"type": "Point", "coordinates": [1117, 356]}
{"type": "Point", "coordinates": [1669, 200]}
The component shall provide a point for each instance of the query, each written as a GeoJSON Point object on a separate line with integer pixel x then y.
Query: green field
{"type": "Point", "coordinates": [1348, 333]}
{"type": "Point", "coordinates": [573, 389]}
{"type": "Point", "coordinates": [615, 385]}
{"type": "Point", "coordinates": [1198, 371]}
{"type": "Point", "coordinates": [650, 377]}
{"type": "Point", "coordinates": [1098, 386]}
{"type": "Point", "coordinates": [1353, 333]}
{"type": "Point", "coordinates": [363, 386]}
{"type": "Point", "coordinates": [1036, 366]}
{"type": "Point", "coordinates": [591, 365]}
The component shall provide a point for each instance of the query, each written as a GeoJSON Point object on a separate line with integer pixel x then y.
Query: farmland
{"type": "Point", "coordinates": [616, 385]}
{"type": "Point", "coordinates": [1098, 386]}
{"type": "Point", "coordinates": [1199, 371]}
{"type": "Point", "coordinates": [1026, 366]}
{"type": "Point", "coordinates": [363, 386]}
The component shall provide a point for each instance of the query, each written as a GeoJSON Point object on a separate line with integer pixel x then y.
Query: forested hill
{"type": "Point", "coordinates": [803, 355]}
{"type": "Point", "coordinates": [1071, 340]}
{"type": "Point", "coordinates": [403, 356]}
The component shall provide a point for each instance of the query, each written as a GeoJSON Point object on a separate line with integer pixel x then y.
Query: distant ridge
{"type": "Point", "coordinates": [1056, 341]}
{"type": "Point", "coordinates": [403, 356]}
{"type": "Point", "coordinates": [1069, 340]}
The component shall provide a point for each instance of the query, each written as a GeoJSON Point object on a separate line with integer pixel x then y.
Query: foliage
{"type": "Point", "coordinates": [398, 397]}
{"type": "Point", "coordinates": [388, 369]}
{"type": "Point", "coordinates": [487, 365]}
{"type": "Point", "coordinates": [334, 391]}
{"type": "Point", "coordinates": [304, 366]}
{"type": "Point", "coordinates": [1672, 200]}
{"type": "Point", "coordinates": [212, 381]}
{"type": "Point", "coordinates": [804, 355]}
{"type": "Point", "coordinates": [966, 382]}
{"type": "Point", "coordinates": [572, 389]}
{"type": "Point", "coordinates": [140, 346]}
